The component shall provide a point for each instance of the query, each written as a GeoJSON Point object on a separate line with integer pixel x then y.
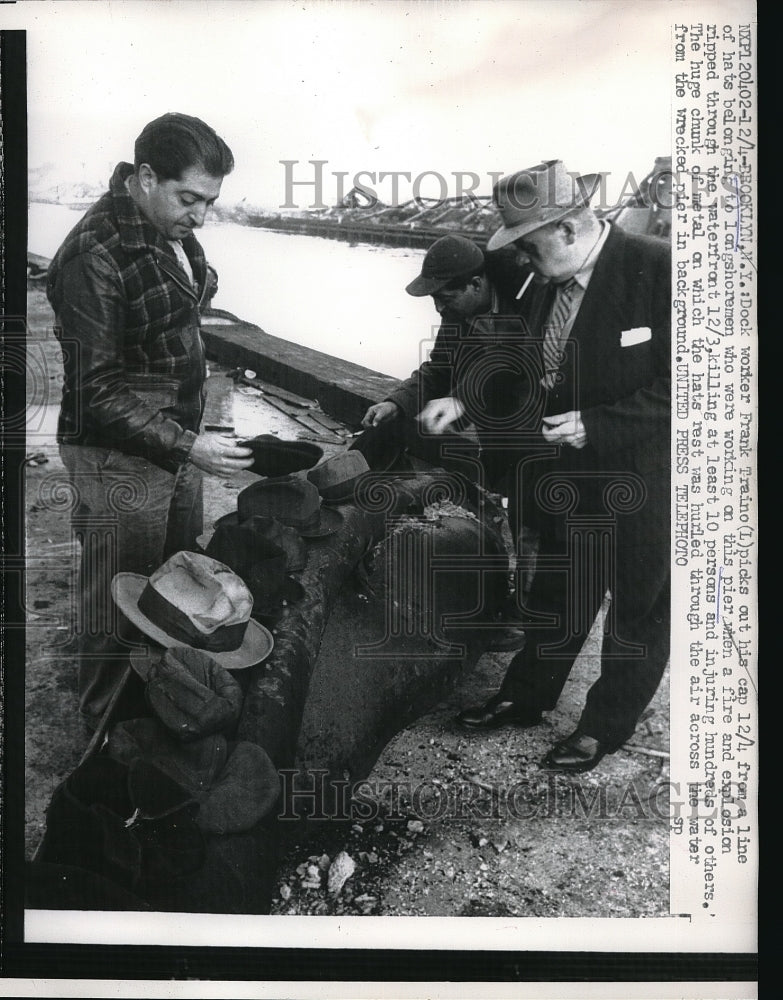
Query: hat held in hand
{"type": "Point", "coordinates": [193, 600]}
{"type": "Point", "coordinates": [273, 457]}
{"type": "Point", "coordinates": [292, 501]}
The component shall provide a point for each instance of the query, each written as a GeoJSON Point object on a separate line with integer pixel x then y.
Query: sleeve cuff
{"type": "Point", "coordinates": [181, 450]}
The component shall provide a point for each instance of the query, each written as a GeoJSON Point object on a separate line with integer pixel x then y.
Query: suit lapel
{"type": "Point", "coordinates": [603, 293]}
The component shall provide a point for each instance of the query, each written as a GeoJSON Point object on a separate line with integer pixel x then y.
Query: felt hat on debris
{"type": "Point", "coordinates": [193, 600]}
{"type": "Point", "coordinates": [261, 563]}
{"type": "Point", "coordinates": [273, 457]}
{"type": "Point", "coordinates": [189, 691]}
{"type": "Point", "coordinates": [235, 784]}
{"type": "Point", "coordinates": [292, 501]}
{"type": "Point", "coordinates": [448, 258]}
{"type": "Point", "coordinates": [336, 478]}
{"type": "Point", "coordinates": [537, 196]}
{"type": "Point", "coordinates": [288, 539]}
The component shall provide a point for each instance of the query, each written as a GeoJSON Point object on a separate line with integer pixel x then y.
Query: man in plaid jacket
{"type": "Point", "coordinates": [127, 286]}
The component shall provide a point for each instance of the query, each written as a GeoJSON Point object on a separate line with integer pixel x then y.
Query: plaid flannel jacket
{"type": "Point", "coordinates": [127, 318]}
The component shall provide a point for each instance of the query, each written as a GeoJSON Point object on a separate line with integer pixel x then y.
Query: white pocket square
{"type": "Point", "coordinates": [636, 336]}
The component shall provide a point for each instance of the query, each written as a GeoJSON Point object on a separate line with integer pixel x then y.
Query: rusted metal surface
{"type": "Point", "coordinates": [277, 690]}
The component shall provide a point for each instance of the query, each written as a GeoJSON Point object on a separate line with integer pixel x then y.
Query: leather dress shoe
{"type": "Point", "coordinates": [498, 711]}
{"type": "Point", "coordinates": [577, 753]}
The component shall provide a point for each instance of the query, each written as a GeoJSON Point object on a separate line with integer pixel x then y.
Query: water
{"type": "Point", "coordinates": [346, 300]}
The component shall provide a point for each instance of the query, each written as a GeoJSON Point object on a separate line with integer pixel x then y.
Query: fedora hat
{"type": "Point", "coordinates": [336, 478]}
{"type": "Point", "coordinates": [273, 457]}
{"type": "Point", "coordinates": [448, 258]}
{"type": "Point", "coordinates": [537, 196]}
{"type": "Point", "coordinates": [270, 528]}
{"type": "Point", "coordinates": [193, 600]}
{"type": "Point", "coordinates": [260, 562]}
{"type": "Point", "coordinates": [292, 501]}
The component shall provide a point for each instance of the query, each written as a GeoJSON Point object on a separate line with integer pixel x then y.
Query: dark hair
{"type": "Point", "coordinates": [463, 280]}
{"type": "Point", "coordinates": [173, 143]}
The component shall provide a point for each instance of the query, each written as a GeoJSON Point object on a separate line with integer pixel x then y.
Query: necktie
{"type": "Point", "coordinates": [553, 331]}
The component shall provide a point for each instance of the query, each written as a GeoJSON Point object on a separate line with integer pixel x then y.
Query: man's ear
{"type": "Point", "coordinates": [147, 177]}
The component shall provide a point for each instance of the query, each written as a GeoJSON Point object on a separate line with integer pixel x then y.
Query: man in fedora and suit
{"type": "Point", "coordinates": [127, 286]}
{"type": "Point", "coordinates": [591, 465]}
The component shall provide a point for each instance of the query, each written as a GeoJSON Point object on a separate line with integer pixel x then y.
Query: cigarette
{"type": "Point", "coordinates": [523, 289]}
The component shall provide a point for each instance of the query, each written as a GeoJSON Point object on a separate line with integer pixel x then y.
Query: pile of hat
{"type": "Point", "coordinates": [265, 540]}
{"type": "Point", "coordinates": [164, 814]}
{"type": "Point", "coordinates": [148, 814]}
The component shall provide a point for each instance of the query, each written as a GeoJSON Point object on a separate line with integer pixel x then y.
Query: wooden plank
{"type": "Point", "coordinates": [327, 422]}
{"type": "Point", "coordinates": [287, 397]}
{"type": "Point", "coordinates": [344, 390]}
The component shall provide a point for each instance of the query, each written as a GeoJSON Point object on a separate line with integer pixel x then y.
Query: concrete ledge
{"type": "Point", "coordinates": [343, 389]}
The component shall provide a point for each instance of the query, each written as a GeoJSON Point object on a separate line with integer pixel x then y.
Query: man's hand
{"type": "Point", "coordinates": [219, 455]}
{"type": "Point", "coordinates": [565, 428]}
{"type": "Point", "coordinates": [438, 414]}
{"type": "Point", "coordinates": [380, 413]}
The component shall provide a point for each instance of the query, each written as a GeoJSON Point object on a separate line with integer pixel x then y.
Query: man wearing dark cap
{"type": "Point", "coordinates": [466, 289]}
{"type": "Point", "coordinates": [127, 286]}
{"type": "Point", "coordinates": [453, 273]}
{"type": "Point", "coordinates": [591, 471]}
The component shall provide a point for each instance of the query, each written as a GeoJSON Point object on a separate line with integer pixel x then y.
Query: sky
{"type": "Point", "coordinates": [435, 85]}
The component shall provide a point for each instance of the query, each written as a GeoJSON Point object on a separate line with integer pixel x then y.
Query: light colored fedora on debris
{"type": "Point", "coordinates": [193, 600]}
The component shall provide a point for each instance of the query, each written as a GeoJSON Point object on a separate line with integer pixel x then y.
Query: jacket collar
{"type": "Point", "coordinates": [136, 233]}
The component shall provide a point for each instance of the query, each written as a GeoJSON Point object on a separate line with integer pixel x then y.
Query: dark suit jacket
{"type": "Point", "coordinates": [617, 373]}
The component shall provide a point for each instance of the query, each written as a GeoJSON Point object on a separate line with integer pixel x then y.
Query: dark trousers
{"type": "Point", "coordinates": [578, 561]}
{"type": "Point", "coordinates": [130, 516]}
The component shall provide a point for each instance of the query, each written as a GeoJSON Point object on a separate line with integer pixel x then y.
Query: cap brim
{"type": "Point", "coordinates": [256, 646]}
{"type": "Point", "coordinates": [426, 286]}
